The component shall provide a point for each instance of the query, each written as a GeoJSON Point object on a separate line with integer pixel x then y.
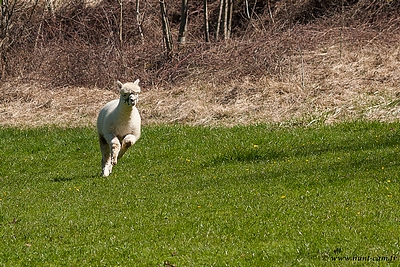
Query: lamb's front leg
{"type": "Point", "coordinates": [127, 142]}
{"type": "Point", "coordinates": [115, 147]}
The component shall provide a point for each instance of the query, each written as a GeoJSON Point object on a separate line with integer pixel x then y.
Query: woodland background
{"type": "Point", "coordinates": [285, 52]}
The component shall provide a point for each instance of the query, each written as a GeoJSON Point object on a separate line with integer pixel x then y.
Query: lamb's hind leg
{"type": "Point", "coordinates": [106, 157]}
{"type": "Point", "coordinates": [127, 142]}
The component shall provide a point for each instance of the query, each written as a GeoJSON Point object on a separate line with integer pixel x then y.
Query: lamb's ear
{"type": "Point", "coordinates": [119, 84]}
{"type": "Point", "coordinates": [136, 82]}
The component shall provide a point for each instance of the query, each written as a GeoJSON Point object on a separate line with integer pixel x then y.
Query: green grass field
{"type": "Point", "coordinates": [199, 196]}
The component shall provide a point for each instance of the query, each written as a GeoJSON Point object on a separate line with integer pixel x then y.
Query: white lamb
{"type": "Point", "coordinates": [118, 125]}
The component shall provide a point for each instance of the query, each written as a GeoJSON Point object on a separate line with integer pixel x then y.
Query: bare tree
{"type": "Point", "coordinates": [120, 21]}
{"type": "Point", "coordinates": [246, 8]}
{"type": "Point", "coordinates": [224, 18]}
{"type": "Point", "coordinates": [183, 24]}
{"type": "Point", "coordinates": [221, 6]}
{"type": "Point", "coordinates": [250, 15]}
{"type": "Point", "coordinates": [7, 10]}
{"type": "Point", "coordinates": [139, 20]}
{"type": "Point", "coordinates": [15, 16]}
{"type": "Point", "coordinates": [166, 28]}
{"type": "Point", "coordinates": [206, 26]}
{"type": "Point", "coordinates": [229, 17]}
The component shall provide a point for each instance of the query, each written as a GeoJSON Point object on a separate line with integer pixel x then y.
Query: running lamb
{"type": "Point", "coordinates": [118, 125]}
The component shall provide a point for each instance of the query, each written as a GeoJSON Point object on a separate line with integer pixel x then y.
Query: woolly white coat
{"type": "Point", "coordinates": [118, 125]}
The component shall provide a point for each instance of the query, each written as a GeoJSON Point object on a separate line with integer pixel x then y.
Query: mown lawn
{"type": "Point", "coordinates": [200, 196]}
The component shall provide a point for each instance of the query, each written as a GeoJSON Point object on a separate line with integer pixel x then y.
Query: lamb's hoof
{"type": "Point", "coordinates": [106, 172]}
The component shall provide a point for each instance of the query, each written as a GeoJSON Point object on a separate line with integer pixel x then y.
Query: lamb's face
{"type": "Point", "coordinates": [129, 99]}
{"type": "Point", "coordinates": [129, 92]}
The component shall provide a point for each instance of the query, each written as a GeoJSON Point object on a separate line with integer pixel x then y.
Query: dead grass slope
{"type": "Point", "coordinates": [331, 83]}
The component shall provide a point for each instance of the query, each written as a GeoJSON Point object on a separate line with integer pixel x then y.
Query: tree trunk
{"type": "Point", "coordinates": [221, 6]}
{"type": "Point", "coordinates": [4, 35]}
{"type": "Point", "coordinates": [206, 27]}
{"type": "Point", "coordinates": [230, 15]}
{"type": "Point", "coordinates": [120, 22]}
{"type": "Point", "coordinates": [246, 3]}
{"type": "Point", "coordinates": [166, 28]}
{"type": "Point", "coordinates": [139, 21]}
{"type": "Point", "coordinates": [183, 24]}
{"type": "Point", "coordinates": [225, 21]}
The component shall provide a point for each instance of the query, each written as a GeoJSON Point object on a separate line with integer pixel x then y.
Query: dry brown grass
{"type": "Point", "coordinates": [330, 84]}
{"type": "Point", "coordinates": [335, 81]}
{"type": "Point", "coordinates": [32, 105]}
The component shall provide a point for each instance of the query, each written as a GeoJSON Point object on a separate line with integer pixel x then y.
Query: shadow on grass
{"type": "Point", "coordinates": [74, 177]}
{"type": "Point", "coordinates": [63, 179]}
{"type": "Point", "coordinates": [317, 144]}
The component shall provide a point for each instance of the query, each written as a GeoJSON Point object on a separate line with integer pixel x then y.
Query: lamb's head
{"type": "Point", "coordinates": [129, 92]}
